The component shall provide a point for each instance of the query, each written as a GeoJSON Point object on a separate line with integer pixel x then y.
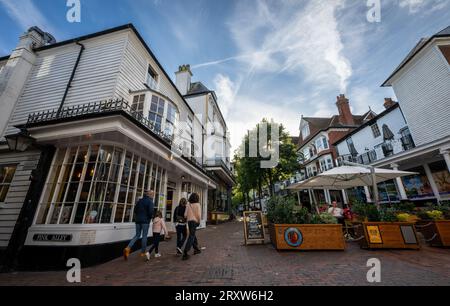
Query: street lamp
{"type": "Point", "coordinates": [20, 142]}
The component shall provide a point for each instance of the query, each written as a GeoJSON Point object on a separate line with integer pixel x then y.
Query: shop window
{"type": "Point", "coordinates": [417, 186]}
{"type": "Point", "coordinates": [441, 177]}
{"type": "Point", "coordinates": [96, 184]}
{"type": "Point", "coordinates": [6, 176]}
{"type": "Point", "coordinates": [388, 192]}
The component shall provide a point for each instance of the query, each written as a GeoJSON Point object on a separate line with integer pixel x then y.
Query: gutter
{"type": "Point", "coordinates": [69, 84]}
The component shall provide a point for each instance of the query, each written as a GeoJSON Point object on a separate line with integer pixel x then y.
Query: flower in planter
{"type": "Point", "coordinates": [435, 215]}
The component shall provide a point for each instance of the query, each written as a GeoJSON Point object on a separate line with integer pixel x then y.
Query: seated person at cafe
{"type": "Point", "coordinates": [337, 212]}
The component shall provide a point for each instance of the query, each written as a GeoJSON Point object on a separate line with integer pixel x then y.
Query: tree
{"type": "Point", "coordinates": [251, 177]}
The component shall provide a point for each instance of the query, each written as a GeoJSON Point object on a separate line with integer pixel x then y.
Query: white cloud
{"type": "Point", "coordinates": [226, 92]}
{"type": "Point", "coordinates": [302, 39]}
{"type": "Point", "coordinates": [26, 15]}
{"type": "Point", "coordinates": [422, 6]}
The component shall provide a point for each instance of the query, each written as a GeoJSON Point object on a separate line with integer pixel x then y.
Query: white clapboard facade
{"type": "Point", "coordinates": [112, 124]}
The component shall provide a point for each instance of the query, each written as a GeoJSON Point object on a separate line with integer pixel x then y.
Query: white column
{"type": "Point", "coordinates": [432, 182]}
{"type": "Point", "coordinates": [400, 186]}
{"type": "Point", "coordinates": [446, 154]}
{"type": "Point", "coordinates": [369, 198]}
{"type": "Point", "coordinates": [344, 196]}
{"type": "Point", "coordinates": [327, 196]}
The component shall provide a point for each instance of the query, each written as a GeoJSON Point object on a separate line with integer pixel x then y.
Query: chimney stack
{"type": "Point", "coordinates": [345, 114]}
{"type": "Point", "coordinates": [15, 72]}
{"type": "Point", "coordinates": [183, 79]}
{"type": "Point", "coordinates": [388, 103]}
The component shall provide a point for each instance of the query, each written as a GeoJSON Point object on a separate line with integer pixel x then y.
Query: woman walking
{"type": "Point", "coordinates": [159, 229]}
{"type": "Point", "coordinates": [181, 224]}
{"type": "Point", "coordinates": [193, 215]}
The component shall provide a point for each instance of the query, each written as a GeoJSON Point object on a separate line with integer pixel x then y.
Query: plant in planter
{"type": "Point", "coordinates": [435, 224]}
{"type": "Point", "coordinates": [385, 228]}
{"type": "Point", "coordinates": [295, 228]}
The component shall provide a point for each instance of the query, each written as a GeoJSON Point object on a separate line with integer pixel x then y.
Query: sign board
{"type": "Point", "coordinates": [374, 234]}
{"type": "Point", "coordinates": [254, 227]}
{"type": "Point", "coordinates": [52, 237]}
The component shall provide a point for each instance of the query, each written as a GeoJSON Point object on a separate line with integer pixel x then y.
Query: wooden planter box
{"type": "Point", "coordinates": [387, 235]}
{"type": "Point", "coordinates": [436, 233]}
{"type": "Point", "coordinates": [307, 237]}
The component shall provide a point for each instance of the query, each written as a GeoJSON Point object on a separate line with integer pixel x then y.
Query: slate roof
{"type": "Point", "coordinates": [197, 88]}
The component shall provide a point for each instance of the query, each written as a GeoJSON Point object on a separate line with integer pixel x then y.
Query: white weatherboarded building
{"type": "Point", "coordinates": [108, 124]}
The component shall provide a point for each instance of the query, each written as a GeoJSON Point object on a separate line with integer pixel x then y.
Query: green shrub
{"type": "Point", "coordinates": [283, 210]}
{"type": "Point", "coordinates": [366, 211]}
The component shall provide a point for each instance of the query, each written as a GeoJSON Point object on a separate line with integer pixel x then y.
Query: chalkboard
{"type": "Point", "coordinates": [253, 226]}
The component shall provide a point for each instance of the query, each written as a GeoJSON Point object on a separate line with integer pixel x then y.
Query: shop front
{"type": "Point", "coordinates": [100, 169]}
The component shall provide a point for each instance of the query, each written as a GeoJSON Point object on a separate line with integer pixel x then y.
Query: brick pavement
{"type": "Point", "coordinates": [227, 262]}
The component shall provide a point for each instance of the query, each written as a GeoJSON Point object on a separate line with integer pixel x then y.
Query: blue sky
{"type": "Point", "coordinates": [276, 59]}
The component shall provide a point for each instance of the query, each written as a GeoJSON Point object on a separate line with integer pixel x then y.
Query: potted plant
{"type": "Point", "coordinates": [294, 228]}
{"type": "Point", "coordinates": [434, 224]}
{"type": "Point", "coordinates": [387, 228]}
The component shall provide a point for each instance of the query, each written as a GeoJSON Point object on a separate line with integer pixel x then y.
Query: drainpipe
{"type": "Point", "coordinates": [69, 84]}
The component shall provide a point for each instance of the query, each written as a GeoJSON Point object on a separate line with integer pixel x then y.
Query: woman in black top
{"type": "Point", "coordinates": [180, 222]}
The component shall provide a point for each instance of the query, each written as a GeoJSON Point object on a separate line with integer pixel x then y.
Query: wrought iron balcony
{"type": "Point", "coordinates": [407, 142]}
{"type": "Point", "coordinates": [102, 107]}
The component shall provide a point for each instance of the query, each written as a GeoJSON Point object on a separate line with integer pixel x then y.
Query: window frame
{"type": "Point", "coordinates": [376, 132]}
{"type": "Point", "coordinates": [153, 75]}
{"type": "Point", "coordinates": [3, 184]}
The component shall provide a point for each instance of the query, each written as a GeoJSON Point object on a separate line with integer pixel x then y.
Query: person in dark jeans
{"type": "Point", "coordinates": [143, 212]}
{"type": "Point", "coordinates": [193, 215]}
{"type": "Point", "coordinates": [180, 220]}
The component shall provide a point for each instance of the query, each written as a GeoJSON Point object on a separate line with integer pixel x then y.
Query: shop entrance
{"type": "Point", "coordinates": [169, 201]}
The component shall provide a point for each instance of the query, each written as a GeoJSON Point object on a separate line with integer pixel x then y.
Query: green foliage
{"type": "Point", "coordinates": [283, 210]}
{"type": "Point", "coordinates": [405, 207]}
{"type": "Point", "coordinates": [388, 215]}
{"type": "Point", "coordinates": [366, 211]}
{"type": "Point", "coordinates": [250, 175]}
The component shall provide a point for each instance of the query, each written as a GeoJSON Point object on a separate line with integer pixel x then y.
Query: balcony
{"type": "Point", "coordinates": [118, 106]}
{"type": "Point", "coordinates": [380, 152]}
{"type": "Point", "coordinates": [217, 162]}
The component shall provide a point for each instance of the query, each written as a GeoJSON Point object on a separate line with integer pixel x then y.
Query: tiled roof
{"type": "Point", "coordinates": [317, 125]}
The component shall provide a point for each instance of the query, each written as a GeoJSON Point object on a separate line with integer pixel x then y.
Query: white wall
{"type": "Point", "coordinates": [10, 210]}
{"type": "Point", "coordinates": [423, 90]}
{"type": "Point", "coordinates": [365, 139]}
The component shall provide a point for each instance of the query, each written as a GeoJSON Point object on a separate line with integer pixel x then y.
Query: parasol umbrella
{"type": "Point", "coordinates": [351, 176]}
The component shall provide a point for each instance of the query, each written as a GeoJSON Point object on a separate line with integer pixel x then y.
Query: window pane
{"type": "Point", "coordinates": [110, 192]}
{"type": "Point", "coordinates": [72, 192]}
{"type": "Point", "coordinates": [106, 213]}
{"type": "Point", "coordinates": [93, 213]}
{"type": "Point", "coordinates": [55, 215]}
{"type": "Point", "coordinates": [122, 193]}
{"type": "Point", "coordinates": [119, 213]}
{"type": "Point", "coordinates": [79, 214]}
{"type": "Point", "coordinates": [66, 213]}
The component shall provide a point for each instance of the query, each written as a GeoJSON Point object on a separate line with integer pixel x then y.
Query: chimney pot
{"type": "Point", "coordinates": [388, 103]}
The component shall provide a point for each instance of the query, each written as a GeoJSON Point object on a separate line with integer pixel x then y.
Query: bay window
{"type": "Point", "coordinates": [96, 184]}
{"type": "Point", "coordinates": [171, 119]}
{"type": "Point", "coordinates": [157, 112]}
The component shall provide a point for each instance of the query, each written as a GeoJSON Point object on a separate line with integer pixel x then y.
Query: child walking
{"type": "Point", "coordinates": [159, 229]}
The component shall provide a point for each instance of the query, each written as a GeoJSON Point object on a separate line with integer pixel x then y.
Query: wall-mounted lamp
{"type": "Point", "coordinates": [20, 142]}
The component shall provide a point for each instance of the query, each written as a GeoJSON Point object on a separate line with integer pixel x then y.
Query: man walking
{"type": "Point", "coordinates": [143, 212]}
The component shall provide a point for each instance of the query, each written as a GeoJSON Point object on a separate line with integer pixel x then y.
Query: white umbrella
{"type": "Point", "coordinates": [348, 176]}
{"type": "Point", "coordinates": [351, 176]}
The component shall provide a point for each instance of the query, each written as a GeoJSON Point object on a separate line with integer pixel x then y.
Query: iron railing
{"type": "Point", "coordinates": [101, 107]}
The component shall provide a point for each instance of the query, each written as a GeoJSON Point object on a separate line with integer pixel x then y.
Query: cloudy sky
{"type": "Point", "coordinates": [276, 59]}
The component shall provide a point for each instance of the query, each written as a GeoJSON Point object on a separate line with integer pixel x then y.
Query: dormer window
{"type": "Point", "coordinates": [152, 78]}
{"type": "Point", "coordinates": [305, 132]}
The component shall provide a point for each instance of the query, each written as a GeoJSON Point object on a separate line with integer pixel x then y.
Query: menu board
{"type": "Point", "coordinates": [253, 226]}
